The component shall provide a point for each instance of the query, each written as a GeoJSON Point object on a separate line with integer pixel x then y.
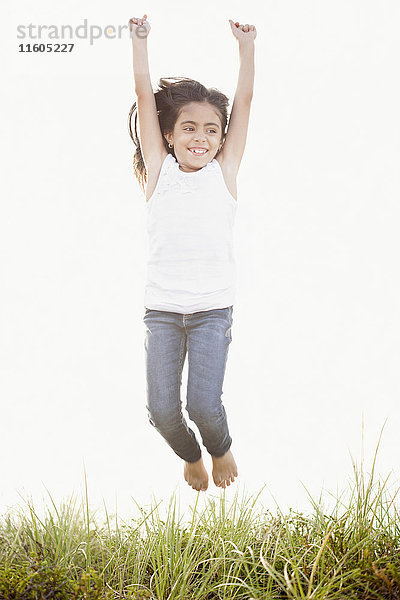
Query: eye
{"type": "Point", "coordinates": [185, 128]}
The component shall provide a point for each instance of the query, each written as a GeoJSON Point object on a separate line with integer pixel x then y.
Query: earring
{"type": "Point", "coordinates": [169, 145]}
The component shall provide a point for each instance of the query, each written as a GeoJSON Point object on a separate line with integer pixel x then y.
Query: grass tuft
{"type": "Point", "coordinates": [224, 552]}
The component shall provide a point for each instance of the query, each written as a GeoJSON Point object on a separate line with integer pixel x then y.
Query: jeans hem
{"type": "Point", "coordinates": [192, 461]}
{"type": "Point", "coordinates": [223, 452]}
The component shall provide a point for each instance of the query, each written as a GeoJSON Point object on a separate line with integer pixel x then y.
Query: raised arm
{"type": "Point", "coordinates": [151, 141]}
{"type": "Point", "coordinates": [235, 140]}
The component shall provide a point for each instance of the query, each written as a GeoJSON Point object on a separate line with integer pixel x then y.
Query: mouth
{"type": "Point", "coordinates": [198, 151]}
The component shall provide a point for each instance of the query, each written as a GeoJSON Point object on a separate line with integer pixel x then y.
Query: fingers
{"type": "Point", "coordinates": [245, 28]}
{"type": "Point", "coordinates": [138, 21]}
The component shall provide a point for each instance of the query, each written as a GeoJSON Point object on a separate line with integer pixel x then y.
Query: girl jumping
{"type": "Point", "coordinates": [186, 163]}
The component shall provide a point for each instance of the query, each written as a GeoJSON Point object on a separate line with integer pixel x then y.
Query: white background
{"type": "Point", "coordinates": [316, 322]}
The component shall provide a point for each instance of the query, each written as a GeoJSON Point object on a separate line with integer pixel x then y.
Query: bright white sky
{"type": "Point", "coordinates": [316, 322]}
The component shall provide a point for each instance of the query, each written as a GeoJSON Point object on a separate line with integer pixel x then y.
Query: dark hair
{"type": "Point", "coordinates": [171, 96]}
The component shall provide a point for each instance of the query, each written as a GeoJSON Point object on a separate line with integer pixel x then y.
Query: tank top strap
{"type": "Point", "coordinates": [168, 177]}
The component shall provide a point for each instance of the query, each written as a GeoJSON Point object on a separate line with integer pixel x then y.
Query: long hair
{"type": "Point", "coordinates": [171, 96]}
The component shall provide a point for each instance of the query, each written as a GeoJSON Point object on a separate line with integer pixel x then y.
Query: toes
{"type": "Point", "coordinates": [199, 487]}
{"type": "Point", "coordinates": [225, 482]}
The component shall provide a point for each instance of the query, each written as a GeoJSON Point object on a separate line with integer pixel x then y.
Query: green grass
{"type": "Point", "coordinates": [224, 551]}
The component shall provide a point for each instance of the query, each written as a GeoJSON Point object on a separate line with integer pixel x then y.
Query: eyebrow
{"type": "Point", "coordinates": [194, 123]}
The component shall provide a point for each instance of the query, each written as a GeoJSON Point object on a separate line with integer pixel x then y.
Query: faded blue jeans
{"type": "Point", "coordinates": [205, 336]}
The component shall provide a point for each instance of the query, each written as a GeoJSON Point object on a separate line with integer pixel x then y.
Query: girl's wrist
{"type": "Point", "coordinates": [246, 43]}
{"type": "Point", "coordinates": [139, 39]}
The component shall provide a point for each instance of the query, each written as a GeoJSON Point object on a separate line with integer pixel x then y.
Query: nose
{"type": "Point", "coordinates": [199, 135]}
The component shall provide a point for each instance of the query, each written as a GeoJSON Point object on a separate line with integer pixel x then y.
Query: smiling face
{"type": "Point", "coordinates": [198, 127]}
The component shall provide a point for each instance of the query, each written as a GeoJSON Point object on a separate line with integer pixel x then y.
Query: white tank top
{"type": "Point", "coordinates": [190, 259]}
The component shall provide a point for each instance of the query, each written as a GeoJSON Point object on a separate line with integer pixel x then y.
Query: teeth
{"type": "Point", "coordinates": [197, 151]}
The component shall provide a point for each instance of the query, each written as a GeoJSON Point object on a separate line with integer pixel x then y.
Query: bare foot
{"type": "Point", "coordinates": [196, 475]}
{"type": "Point", "coordinates": [224, 469]}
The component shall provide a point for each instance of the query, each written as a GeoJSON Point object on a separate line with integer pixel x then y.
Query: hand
{"type": "Point", "coordinates": [139, 27]}
{"type": "Point", "coordinates": [243, 32]}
